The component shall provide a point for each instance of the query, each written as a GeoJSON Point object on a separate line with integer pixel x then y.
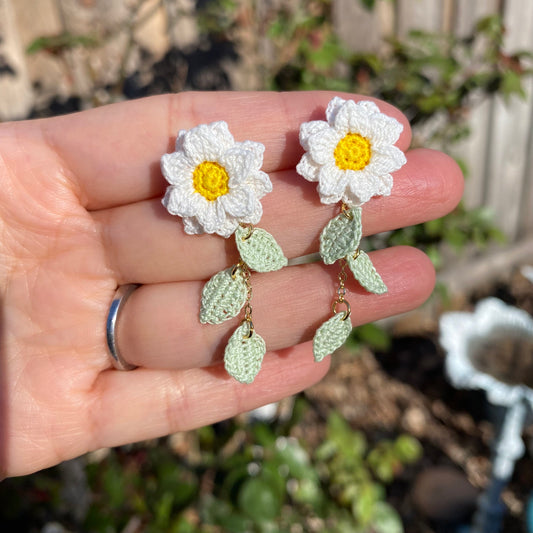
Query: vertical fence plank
{"type": "Point", "coordinates": [35, 20]}
{"type": "Point", "coordinates": [511, 128]}
{"type": "Point", "coordinates": [152, 34]}
{"type": "Point", "coordinates": [473, 150]}
{"type": "Point", "coordinates": [526, 209]}
{"type": "Point", "coordinates": [16, 95]}
{"type": "Point", "coordinates": [468, 12]}
{"type": "Point", "coordinates": [419, 15]}
{"type": "Point", "coordinates": [499, 152]}
{"type": "Point", "coordinates": [359, 28]}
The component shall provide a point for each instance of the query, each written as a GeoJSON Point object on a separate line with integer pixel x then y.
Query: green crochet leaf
{"type": "Point", "coordinates": [366, 274]}
{"type": "Point", "coordinates": [341, 236]}
{"type": "Point", "coordinates": [244, 354]}
{"type": "Point", "coordinates": [331, 335]}
{"type": "Point", "coordinates": [223, 296]}
{"type": "Point", "coordinates": [259, 250]}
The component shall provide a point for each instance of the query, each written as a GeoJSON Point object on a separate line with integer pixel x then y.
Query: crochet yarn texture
{"type": "Point", "coordinates": [259, 250]}
{"type": "Point", "coordinates": [352, 157]}
{"type": "Point", "coordinates": [223, 296]}
{"type": "Point", "coordinates": [215, 183]}
{"type": "Point", "coordinates": [365, 273]}
{"type": "Point", "coordinates": [331, 335]}
{"type": "Point", "coordinates": [352, 154]}
{"type": "Point", "coordinates": [244, 354]}
{"type": "Point", "coordinates": [341, 236]}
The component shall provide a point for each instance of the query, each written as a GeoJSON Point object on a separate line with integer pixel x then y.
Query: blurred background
{"type": "Point", "coordinates": [384, 443]}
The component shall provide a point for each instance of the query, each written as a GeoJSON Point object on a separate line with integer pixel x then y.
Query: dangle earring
{"type": "Point", "coordinates": [351, 156]}
{"type": "Point", "coordinates": [215, 186]}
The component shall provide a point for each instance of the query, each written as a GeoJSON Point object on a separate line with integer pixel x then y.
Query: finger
{"type": "Point", "coordinates": [113, 152]}
{"type": "Point", "coordinates": [159, 327]}
{"type": "Point", "coordinates": [144, 404]}
{"type": "Point", "coordinates": [144, 244]}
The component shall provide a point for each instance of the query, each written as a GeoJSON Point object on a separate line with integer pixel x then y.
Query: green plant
{"type": "Point", "coordinates": [426, 75]}
{"type": "Point", "coordinates": [269, 483]}
{"type": "Point", "coordinates": [370, 335]}
{"type": "Point", "coordinates": [307, 50]}
{"type": "Point", "coordinates": [238, 477]}
{"type": "Point", "coordinates": [57, 44]}
{"type": "Point", "coordinates": [457, 230]}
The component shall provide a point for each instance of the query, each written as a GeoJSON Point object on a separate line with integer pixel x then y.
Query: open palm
{"type": "Point", "coordinates": [80, 214]}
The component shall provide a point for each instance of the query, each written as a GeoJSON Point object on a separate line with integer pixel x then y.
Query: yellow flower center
{"type": "Point", "coordinates": [353, 152]}
{"type": "Point", "coordinates": [210, 180]}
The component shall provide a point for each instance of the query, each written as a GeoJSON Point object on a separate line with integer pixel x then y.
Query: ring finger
{"type": "Point", "coordinates": [159, 327]}
{"type": "Point", "coordinates": [144, 244]}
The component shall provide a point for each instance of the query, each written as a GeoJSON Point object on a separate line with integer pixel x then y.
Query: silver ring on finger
{"type": "Point", "coordinates": [117, 305]}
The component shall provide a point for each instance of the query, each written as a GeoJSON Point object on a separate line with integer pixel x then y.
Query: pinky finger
{"type": "Point", "coordinates": [145, 404]}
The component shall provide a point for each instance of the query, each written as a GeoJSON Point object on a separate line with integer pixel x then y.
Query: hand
{"type": "Point", "coordinates": [80, 214]}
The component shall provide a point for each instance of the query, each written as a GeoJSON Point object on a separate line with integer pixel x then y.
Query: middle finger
{"type": "Point", "coordinates": [159, 327]}
{"type": "Point", "coordinates": [144, 244]}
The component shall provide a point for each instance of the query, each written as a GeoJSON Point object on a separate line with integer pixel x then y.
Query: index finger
{"type": "Point", "coordinates": [113, 152]}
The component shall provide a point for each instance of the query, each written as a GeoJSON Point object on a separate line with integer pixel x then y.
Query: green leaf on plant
{"type": "Point", "coordinates": [259, 499]}
{"type": "Point", "coordinates": [407, 449]}
{"type": "Point", "coordinates": [58, 43]}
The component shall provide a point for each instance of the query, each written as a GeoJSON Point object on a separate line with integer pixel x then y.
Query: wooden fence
{"type": "Point", "coordinates": [499, 153]}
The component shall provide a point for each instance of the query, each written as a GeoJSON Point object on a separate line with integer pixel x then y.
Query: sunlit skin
{"type": "Point", "coordinates": [81, 213]}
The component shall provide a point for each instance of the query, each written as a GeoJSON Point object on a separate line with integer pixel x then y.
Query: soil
{"type": "Point", "coordinates": [405, 390]}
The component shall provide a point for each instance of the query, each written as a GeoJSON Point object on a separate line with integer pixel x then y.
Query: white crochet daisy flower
{"type": "Point", "coordinates": [215, 182]}
{"type": "Point", "coordinates": [352, 155]}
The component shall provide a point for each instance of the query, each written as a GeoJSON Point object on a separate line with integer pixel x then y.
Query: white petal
{"type": "Point", "coordinates": [385, 187]}
{"type": "Point", "coordinates": [310, 128]}
{"type": "Point", "coordinates": [212, 217]}
{"type": "Point", "coordinates": [332, 109]}
{"type": "Point", "coordinates": [332, 182]}
{"type": "Point", "coordinates": [178, 202]}
{"type": "Point", "coordinates": [238, 164]}
{"type": "Point", "coordinates": [255, 215]}
{"type": "Point", "coordinates": [322, 145]}
{"type": "Point", "coordinates": [353, 118]}
{"type": "Point", "coordinates": [238, 202]}
{"type": "Point", "coordinates": [207, 142]}
{"type": "Point", "coordinates": [192, 226]}
{"type": "Point", "coordinates": [308, 168]}
{"type": "Point", "coordinates": [260, 183]}
{"type": "Point", "coordinates": [179, 140]}
{"type": "Point", "coordinates": [228, 228]}
{"type": "Point", "coordinates": [343, 115]}
{"type": "Point", "coordinates": [328, 199]}
{"type": "Point", "coordinates": [386, 159]}
{"type": "Point", "coordinates": [176, 168]}
{"type": "Point", "coordinates": [363, 185]}
{"type": "Point", "coordinates": [369, 106]}
{"type": "Point", "coordinates": [256, 150]}
{"type": "Point", "coordinates": [385, 130]}
{"type": "Point", "coordinates": [350, 198]}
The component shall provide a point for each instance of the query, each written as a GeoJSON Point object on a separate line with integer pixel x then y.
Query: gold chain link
{"type": "Point", "coordinates": [341, 291]}
{"type": "Point", "coordinates": [247, 306]}
{"type": "Point", "coordinates": [250, 228]}
{"type": "Point", "coordinates": [346, 211]}
{"type": "Point", "coordinates": [343, 276]}
{"type": "Point", "coordinates": [243, 267]}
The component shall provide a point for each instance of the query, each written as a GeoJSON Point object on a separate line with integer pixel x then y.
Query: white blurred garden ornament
{"type": "Point", "coordinates": [492, 349]}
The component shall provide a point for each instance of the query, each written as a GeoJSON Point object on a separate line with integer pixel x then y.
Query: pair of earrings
{"type": "Point", "coordinates": [216, 185]}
